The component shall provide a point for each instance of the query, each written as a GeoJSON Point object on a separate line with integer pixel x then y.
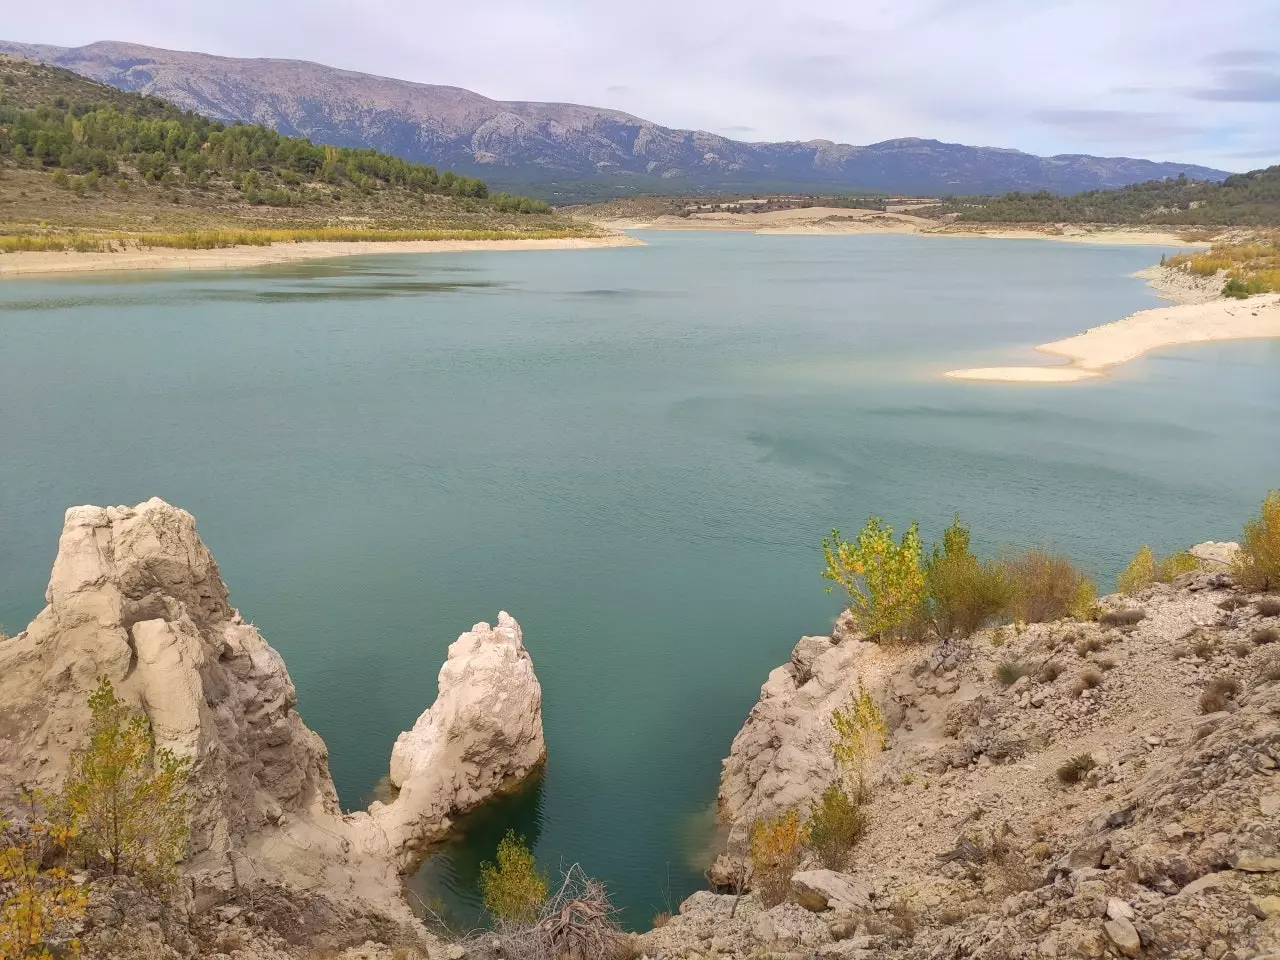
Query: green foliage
{"type": "Point", "coordinates": [1139, 574]}
{"type": "Point", "coordinates": [963, 593]}
{"type": "Point", "coordinates": [1046, 587]}
{"type": "Point", "coordinates": [776, 848]}
{"type": "Point", "coordinates": [836, 824]}
{"type": "Point", "coordinates": [1175, 565]}
{"type": "Point", "coordinates": [860, 733]}
{"type": "Point", "coordinates": [513, 888]}
{"type": "Point", "coordinates": [39, 901]}
{"type": "Point", "coordinates": [88, 128]}
{"type": "Point", "coordinates": [1246, 199]}
{"type": "Point", "coordinates": [1257, 566]}
{"type": "Point", "coordinates": [124, 797]}
{"type": "Point", "coordinates": [884, 579]}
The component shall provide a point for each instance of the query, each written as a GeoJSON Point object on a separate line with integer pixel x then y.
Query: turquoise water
{"type": "Point", "coordinates": [635, 451]}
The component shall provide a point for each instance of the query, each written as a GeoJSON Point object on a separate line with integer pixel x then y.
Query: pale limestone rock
{"type": "Point", "coordinates": [1122, 933]}
{"type": "Point", "coordinates": [818, 890]}
{"type": "Point", "coordinates": [781, 758]}
{"type": "Point", "coordinates": [1214, 555]}
{"type": "Point", "coordinates": [482, 735]}
{"type": "Point", "coordinates": [136, 597]}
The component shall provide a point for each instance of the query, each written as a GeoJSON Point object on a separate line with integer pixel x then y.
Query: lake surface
{"type": "Point", "coordinates": [635, 451]}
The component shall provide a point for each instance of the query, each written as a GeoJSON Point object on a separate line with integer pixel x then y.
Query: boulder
{"type": "Point", "coordinates": [1214, 555]}
{"type": "Point", "coordinates": [1122, 933]}
{"type": "Point", "coordinates": [819, 890]}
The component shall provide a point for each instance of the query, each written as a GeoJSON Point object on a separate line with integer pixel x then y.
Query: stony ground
{"type": "Point", "coordinates": [1168, 846]}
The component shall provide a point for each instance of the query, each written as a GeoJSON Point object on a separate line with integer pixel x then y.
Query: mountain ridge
{"type": "Point", "coordinates": [518, 142]}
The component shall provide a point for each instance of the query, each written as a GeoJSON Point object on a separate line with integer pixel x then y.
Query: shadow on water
{"type": "Point", "coordinates": [447, 885]}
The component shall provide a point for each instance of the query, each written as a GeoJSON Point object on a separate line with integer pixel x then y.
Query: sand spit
{"type": "Point", "coordinates": [1093, 352]}
{"type": "Point", "coordinates": [233, 258]}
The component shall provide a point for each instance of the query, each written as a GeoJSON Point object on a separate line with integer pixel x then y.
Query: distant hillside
{"type": "Point", "coordinates": [1244, 200]}
{"type": "Point", "coordinates": [566, 149]}
{"type": "Point", "coordinates": [78, 154]}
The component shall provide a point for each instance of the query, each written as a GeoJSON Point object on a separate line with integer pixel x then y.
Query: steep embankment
{"type": "Point", "coordinates": [135, 597]}
{"type": "Point", "coordinates": [1167, 847]}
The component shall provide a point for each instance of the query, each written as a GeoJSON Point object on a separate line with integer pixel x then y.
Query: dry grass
{"type": "Point", "coordinates": [1218, 694]}
{"type": "Point", "coordinates": [1123, 618]}
{"type": "Point", "coordinates": [1269, 669]}
{"type": "Point", "coordinates": [1267, 606]}
{"type": "Point", "coordinates": [1088, 679]}
{"type": "Point", "coordinates": [1250, 268]}
{"type": "Point", "coordinates": [1264, 635]}
{"type": "Point", "coordinates": [1009, 672]}
{"type": "Point", "coordinates": [1205, 646]}
{"type": "Point", "coordinates": [1088, 645]}
{"type": "Point", "coordinates": [218, 239]}
{"type": "Point", "coordinates": [1077, 768]}
{"type": "Point", "coordinates": [1049, 672]}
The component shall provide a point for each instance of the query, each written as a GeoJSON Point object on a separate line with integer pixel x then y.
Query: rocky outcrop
{"type": "Point", "coordinates": [481, 736]}
{"type": "Point", "coordinates": [136, 597]}
{"type": "Point", "coordinates": [1099, 805]}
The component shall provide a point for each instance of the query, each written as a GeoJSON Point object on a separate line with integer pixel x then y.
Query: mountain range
{"type": "Point", "coordinates": [564, 150]}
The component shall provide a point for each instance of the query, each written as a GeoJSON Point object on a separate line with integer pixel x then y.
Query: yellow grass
{"type": "Point", "coordinates": [214, 239]}
{"type": "Point", "coordinates": [1252, 267]}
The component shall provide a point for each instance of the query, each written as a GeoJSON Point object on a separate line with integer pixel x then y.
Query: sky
{"type": "Point", "coordinates": [1184, 80]}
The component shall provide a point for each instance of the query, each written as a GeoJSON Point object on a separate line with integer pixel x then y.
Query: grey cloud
{"type": "Point", "coordinates": [1242, 86]}
{"type": "Point", "coordinates": [1242, 58]}
{"type": "Point", "coordinates": [737, 128]}
{"type": "Point", "coordinates": [1110, 125]}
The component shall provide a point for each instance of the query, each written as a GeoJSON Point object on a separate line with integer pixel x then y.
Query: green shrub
{"type": "Point", "coordinates": [1175, 565]}
{"type": "Point", "coordinates": [837, 823]}
{"type": "Point", "coordinates": [883, 579]}
{"type": "Point", "coordinates": [1047, 587]}
{"type": "Point", "coordinates": [1257, 566]}
{"type": "Point", "coordinates": [513, 888]}
{"type": "Point", "coordinates": [963, 593]}
{"type": "Point", "coordinates": [1139, 574]}
{"type": "Point", "coordinates": [124, 798]}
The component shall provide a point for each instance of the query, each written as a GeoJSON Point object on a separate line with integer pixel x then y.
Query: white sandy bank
{"type": "Point", "coordinates": [231, 258]}
{"type": "Point", "coordinates": [1096, 350]}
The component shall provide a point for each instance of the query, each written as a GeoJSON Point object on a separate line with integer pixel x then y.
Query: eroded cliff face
{"type": "Point", "coordinates": [1167, 846]}
{"type": "Point", "coordinates": [136, 597]}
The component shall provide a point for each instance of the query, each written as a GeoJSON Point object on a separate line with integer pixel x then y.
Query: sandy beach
{"type": "Point", "coordinates": [1092, 353]}
{"type": "Point", "coordinates": [839, 221]}
{"type": "Point", "coordinates": [231, 258]}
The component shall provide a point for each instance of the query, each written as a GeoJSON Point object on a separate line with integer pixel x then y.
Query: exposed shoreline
{"type": "Point", "coordinates": [233, 258]}
{"type": "Point", "coordinates": [1199, 315]}
{"type": "Point", "coordinates": [841, 221]}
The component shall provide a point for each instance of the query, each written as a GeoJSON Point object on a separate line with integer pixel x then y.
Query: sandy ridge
{"type": "Point", "coordinates": [1093, 352]}
{"type": "Point", "coordinates": [232, 258]}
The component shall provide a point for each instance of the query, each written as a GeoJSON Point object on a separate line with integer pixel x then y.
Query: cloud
{"type": "Point", "coordinates": [1242, 58]}
{"type": "Point", "coordinates": [1108, 125]}
{"type": "Point", "coordinates": [737, 128]}
{"type": "Point", "coordinates": [1242, 86]}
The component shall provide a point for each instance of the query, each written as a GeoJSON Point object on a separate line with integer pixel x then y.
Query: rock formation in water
{"type": "Point", "coordinates": [136, 597]}
{"type": "Point", "coordinates": [1167, 846]}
